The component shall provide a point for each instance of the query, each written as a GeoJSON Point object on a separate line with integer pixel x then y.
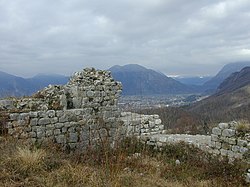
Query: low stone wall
{"type": "Point", "coordinates": [233, 141]}
{"type": "Point", "coordinates": [141, 125]}
{"type": "Point", "coordinates": [75, 128]}
{"type": "Point", "coordinates": [227, 140]}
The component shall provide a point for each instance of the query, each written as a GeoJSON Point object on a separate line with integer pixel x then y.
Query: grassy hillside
{"type": "Point", "coordinates": [224, 107]}
{"type": "Point", "coordinates": [131, 164]}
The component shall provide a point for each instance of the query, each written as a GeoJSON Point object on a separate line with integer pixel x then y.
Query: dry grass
{"type": "Point", "coordinates": [243, 126]}
{"type": "Point", "coordinates": [130, 165]}
{"type": "Point", "coordinates": [30, 159]}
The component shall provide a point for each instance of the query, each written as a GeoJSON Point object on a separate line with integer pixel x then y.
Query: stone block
{"type": "Point", "coordinates": [24, 116]}
{"type": "Point", "coordinates": [216, 131]}
{"type": "Point", "coordinates": [236, 148]}
{"type": "Point", "coordinates": [223, 125]}
{"type": "Point", "coordinates": [43, 121]}
{"type": "Point", "coordinates": [218, 145]}
{"type": "Point", "coordinates": [49, 133]}
{"type": "Point", "coordinates": [63, 119]}
{"type": "Point", "coordinates": [40, 134]}
{"type": "Point", "coordinates": [50, 127]}
{"type": "Point", "coordinates": [33, 114]}
{"type": "Point", "coordinates": [228, 133]}
{"type": "Point", "coordinates": [90, 93]}
{"type": "Point", "coordinates": [53, 120]}
{"type": "Point", "coordinates": [60, 139]}
{"type": "Point", "coordinates": [73, 137]}
{"type": "Point", "coordinates": [231, 141]}
{"type": "Point", "coordinates": [64, 129]}
{"type": "Point", "coordinates": [34, 122]}
{"type": "Point", "coordinates": [213, 144]}
{"type": "Point", "coordinates": [14, 117]}
{"type": "Point", "coordinates": [51, 113]}
{"type": "Point", "coordinates": [151, 124]}
{"type": "Point", "coordinates": [59, 125]}
{"type": "Point", "coordinates": [242, 143]}
{"type": "Point", "coordinates": [214, 137]}
{"type": "Point", "coordinates": [57, 131]}
{"type": "Point", "coordinates": [243, 150]}
{"type": "Point", "coordinates": [71, 129]}
{"type": "Point", "coordinates": [158, 121]}
{"type": "Point", "coordinates": [59, 113]}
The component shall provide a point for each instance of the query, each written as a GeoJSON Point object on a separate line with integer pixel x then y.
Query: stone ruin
{"type": "Point", "coordinates": [77, 115]}
{"type": "Point", "coordinates": [232, 140]}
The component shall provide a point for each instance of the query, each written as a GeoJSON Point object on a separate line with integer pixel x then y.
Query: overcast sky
{"type": "Point", "coordinates": [181, 37]}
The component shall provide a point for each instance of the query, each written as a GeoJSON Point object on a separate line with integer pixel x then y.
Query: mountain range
{"type": "Point", "coordinates": [230, 102]}
{"type": "Point", "coordinates": [136, 80]}
{"type": "Point", "coordinates": [212, 84]}
{"type": "Point", "coordinates": [11, 85]}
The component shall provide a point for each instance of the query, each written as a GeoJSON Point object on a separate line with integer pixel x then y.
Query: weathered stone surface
{"type": "Point", "coordinates": [242, 143]}
{"type": "Point", "coordinates": [6, 104]}
{"type": "Point", "coordinates": [34, 122]}
{"type": "Point", "coordinates": [60, 139]}
{"type": "Point", "coordinates": [73, 137]}
{"type": "Point", "coordinates": [228, 132]}
{"type": "Point", "coordinates": [223, 125]}
{"type": "Point", "coordinates": [43, 121]}
{"type": "Point", "coordinates": [216, 131]}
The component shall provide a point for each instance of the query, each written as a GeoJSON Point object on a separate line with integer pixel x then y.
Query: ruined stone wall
{"type": "Point", "coordinates": [74, 115]}
{"type": "Point", "coordinates": [232, 140]}
{"type": "Point", "coordinates": [229, 139]}
{"type": "Point", "coordinates": [141, 125]}
{"type": "Point", "coordinates": [78, 114]}
{"type": "Point", "coordinates": [74, 128]}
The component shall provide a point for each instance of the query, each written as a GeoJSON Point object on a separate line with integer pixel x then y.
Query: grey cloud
{"type": "Point", "coordinates": [173, 36]}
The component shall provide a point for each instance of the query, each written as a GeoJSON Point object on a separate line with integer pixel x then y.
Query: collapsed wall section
{"type": "Point", "coordinates": [74, 115]}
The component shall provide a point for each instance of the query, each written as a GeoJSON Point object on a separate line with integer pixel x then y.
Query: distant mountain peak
{"type": "Point", "coordinates": [225, 72]}
{"type": "Point", "coordinates": [138, 80]}
{"type": "Point", "coordinates": [128, 67]}
{"type": "Point", "coordinates": [235, 81]}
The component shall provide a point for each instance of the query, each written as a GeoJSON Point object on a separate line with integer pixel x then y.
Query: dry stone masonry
{"type": "Point", "coordinates": [77, 115]}
{"type": "Point", "coordinates": [232, 140]}
{"type": "Point", "coordinates": [141, 125]}
{"type": "Point", "coordinates": [229, 139]}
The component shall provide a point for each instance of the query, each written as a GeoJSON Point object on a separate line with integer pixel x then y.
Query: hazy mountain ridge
{"type": "Point", "coordinates": [230, 102]}
{"type": "Point", "coordinates": [196, 80]}
{"type": "Point", "coordinates": [11, 85]}
{"type": "Point", "coordinates": [225, 72]}
{"type": "Point", "coordinates": [234, 81]}
{"type": "Point", "coordinates": [138, 80]}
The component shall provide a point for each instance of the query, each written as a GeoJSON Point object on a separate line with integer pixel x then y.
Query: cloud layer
{"type": "Point", "coordinates": [173, 36]}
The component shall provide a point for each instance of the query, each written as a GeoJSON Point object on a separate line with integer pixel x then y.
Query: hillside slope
{"type": "Point", "coordinates": [225, 72]}
{"type": "Point", "coordinates": [230, 102]}
{"type": "Point", "coordinates": [138, 80]}
{"type": "Point", "coordinates": [11, 85]}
